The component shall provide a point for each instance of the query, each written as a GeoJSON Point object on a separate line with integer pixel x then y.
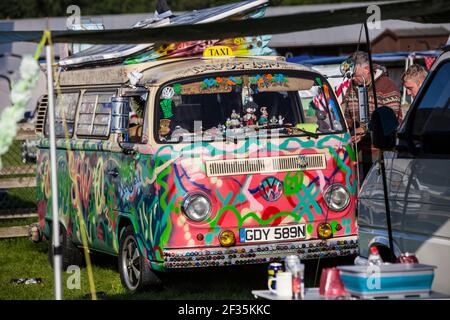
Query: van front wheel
{"type": "Point", "coordinates": [135, 273]}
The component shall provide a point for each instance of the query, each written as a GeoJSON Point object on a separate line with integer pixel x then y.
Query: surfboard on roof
{"type": "Point", "coordinates": [111, 54]}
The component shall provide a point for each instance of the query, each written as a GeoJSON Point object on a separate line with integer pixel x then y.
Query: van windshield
{"type": "Point", "coordinates": [241, 106]}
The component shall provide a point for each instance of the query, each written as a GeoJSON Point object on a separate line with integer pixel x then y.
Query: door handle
{"type": "Point", "coordinates": [114, 173]}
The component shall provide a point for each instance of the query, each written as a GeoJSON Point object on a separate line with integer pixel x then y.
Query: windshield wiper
{"type": "Point", "coordinates": [308, 133]}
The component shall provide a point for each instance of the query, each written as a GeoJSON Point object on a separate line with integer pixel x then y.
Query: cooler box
{"type": "Point", "coordinates": [388, 281]}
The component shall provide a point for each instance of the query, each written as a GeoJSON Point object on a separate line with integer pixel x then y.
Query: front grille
{"type": "Point", "coordinates": [265, 165]}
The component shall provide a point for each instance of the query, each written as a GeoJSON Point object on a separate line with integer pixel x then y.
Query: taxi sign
{"type": "Point", "coordinates": [217, 51]}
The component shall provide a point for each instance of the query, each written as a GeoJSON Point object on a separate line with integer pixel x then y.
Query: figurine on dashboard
{"type": "Point", "coordinates": [264, 118]}
{"type": "Point", "coordinates": [235, 121]}
{"type": "Point", "coordinates": [273, 121]}
{"type": "Point", "coordinates": [250, 117]}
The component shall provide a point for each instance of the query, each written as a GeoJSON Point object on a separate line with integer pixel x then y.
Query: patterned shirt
{"type": "Point", "coordinates": [387, 95]}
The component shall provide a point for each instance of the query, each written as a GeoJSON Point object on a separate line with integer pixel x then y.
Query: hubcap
{"type": "Point", "coordinates": [131, 265]}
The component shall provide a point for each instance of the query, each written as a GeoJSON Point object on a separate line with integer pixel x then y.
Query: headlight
{"type": "Point", "coordinates": [197, 207]}
{"type": "Point", "coordinates": [337, 197]}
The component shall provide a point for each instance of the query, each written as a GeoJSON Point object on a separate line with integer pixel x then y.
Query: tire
{"type": "Point", "coordinates": [135, 273]}
{"type": "Point", "coordinates": [71, 254]}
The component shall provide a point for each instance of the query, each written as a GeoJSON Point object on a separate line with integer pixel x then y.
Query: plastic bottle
{"type": "Point", "coordinates": [291, 262]}
{"type": "Point", "coordinates": [298, 282]}
{"type": "Point", "coordinates": [297, 269]}
{"type": "Point", "coordinates": [374, 257]}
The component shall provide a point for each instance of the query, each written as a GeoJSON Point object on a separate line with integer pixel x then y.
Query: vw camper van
{"type": "Point", "coordinates": [198, 162]}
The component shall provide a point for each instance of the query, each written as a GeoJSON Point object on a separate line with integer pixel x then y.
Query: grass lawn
{"type": "Point", "coordinates": [23, 259]}
{"type": "Point", "coordinates": [20, 258]}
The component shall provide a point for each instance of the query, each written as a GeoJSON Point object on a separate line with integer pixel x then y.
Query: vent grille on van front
{"type": "Point", "coordinates": [265, 165]}
{"type": "Point", "coordinates": [41, 113]}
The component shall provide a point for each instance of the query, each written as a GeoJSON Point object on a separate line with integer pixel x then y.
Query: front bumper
{"type": "Point", "coordinates": [261, 253]}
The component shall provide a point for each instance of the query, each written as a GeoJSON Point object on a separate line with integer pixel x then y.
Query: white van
{"type": "Point", "coordinates": [418, 179]}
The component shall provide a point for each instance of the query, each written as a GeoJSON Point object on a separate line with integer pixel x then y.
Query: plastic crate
{"type": "Point", "coordinates": [388, 280]}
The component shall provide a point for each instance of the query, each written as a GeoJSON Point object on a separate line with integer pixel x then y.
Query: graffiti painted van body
{"type": "Point", "coordinates": [231, 190]}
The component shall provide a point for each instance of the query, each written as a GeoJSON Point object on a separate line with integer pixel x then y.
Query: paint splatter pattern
{"type": "Point", "coordinates": [148, 191]}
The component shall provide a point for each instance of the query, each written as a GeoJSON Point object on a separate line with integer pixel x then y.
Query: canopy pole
{"type": "Point", "coordinates": [56, 245]}
{"type": "Point", "coordinates": [381, 158]}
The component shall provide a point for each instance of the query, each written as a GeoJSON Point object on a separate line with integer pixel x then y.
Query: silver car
{"type": "Point", "coordinates": [418, 179]}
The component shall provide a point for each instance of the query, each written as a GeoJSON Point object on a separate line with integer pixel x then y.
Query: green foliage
{"type": "Point", "coordinates": [50, 8]}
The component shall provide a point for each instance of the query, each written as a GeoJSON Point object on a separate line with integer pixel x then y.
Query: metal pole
{"type": "Point", "coordinates": [381, 159]}
{"type": "Point", "coordinates": [372, 74]}
{"type": "Point", "coordinates": [386, 204]}
{"type": "Point", "coordinates": [57, 252]}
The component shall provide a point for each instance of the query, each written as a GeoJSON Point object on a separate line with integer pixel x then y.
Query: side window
{"type": "Point", "coordinates": [137, 113]}
{"type": "Point", "coordinates": [430, 129]}
{"type": "Point", "coordinates": [65, 110]}
{"type": "Point", "coordinates": [94, 116]}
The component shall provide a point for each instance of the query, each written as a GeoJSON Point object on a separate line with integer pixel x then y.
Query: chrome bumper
{"type": "Point", "coordinates": [261, 253]}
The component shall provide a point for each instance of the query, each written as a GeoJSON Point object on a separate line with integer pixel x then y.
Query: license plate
{"type": "Point", "coordinates": [291, 232]}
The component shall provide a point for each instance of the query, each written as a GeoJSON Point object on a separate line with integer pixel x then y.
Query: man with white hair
{"type": "Point", "coordinates": [387, 94]}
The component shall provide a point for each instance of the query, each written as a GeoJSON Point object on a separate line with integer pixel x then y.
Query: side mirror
{"type": "Point", "coordinates": [121, 120]}
{"type": "Point", "coordinates": [120, 115]}
{"type": "Point", "coordinates": [383, 126]}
